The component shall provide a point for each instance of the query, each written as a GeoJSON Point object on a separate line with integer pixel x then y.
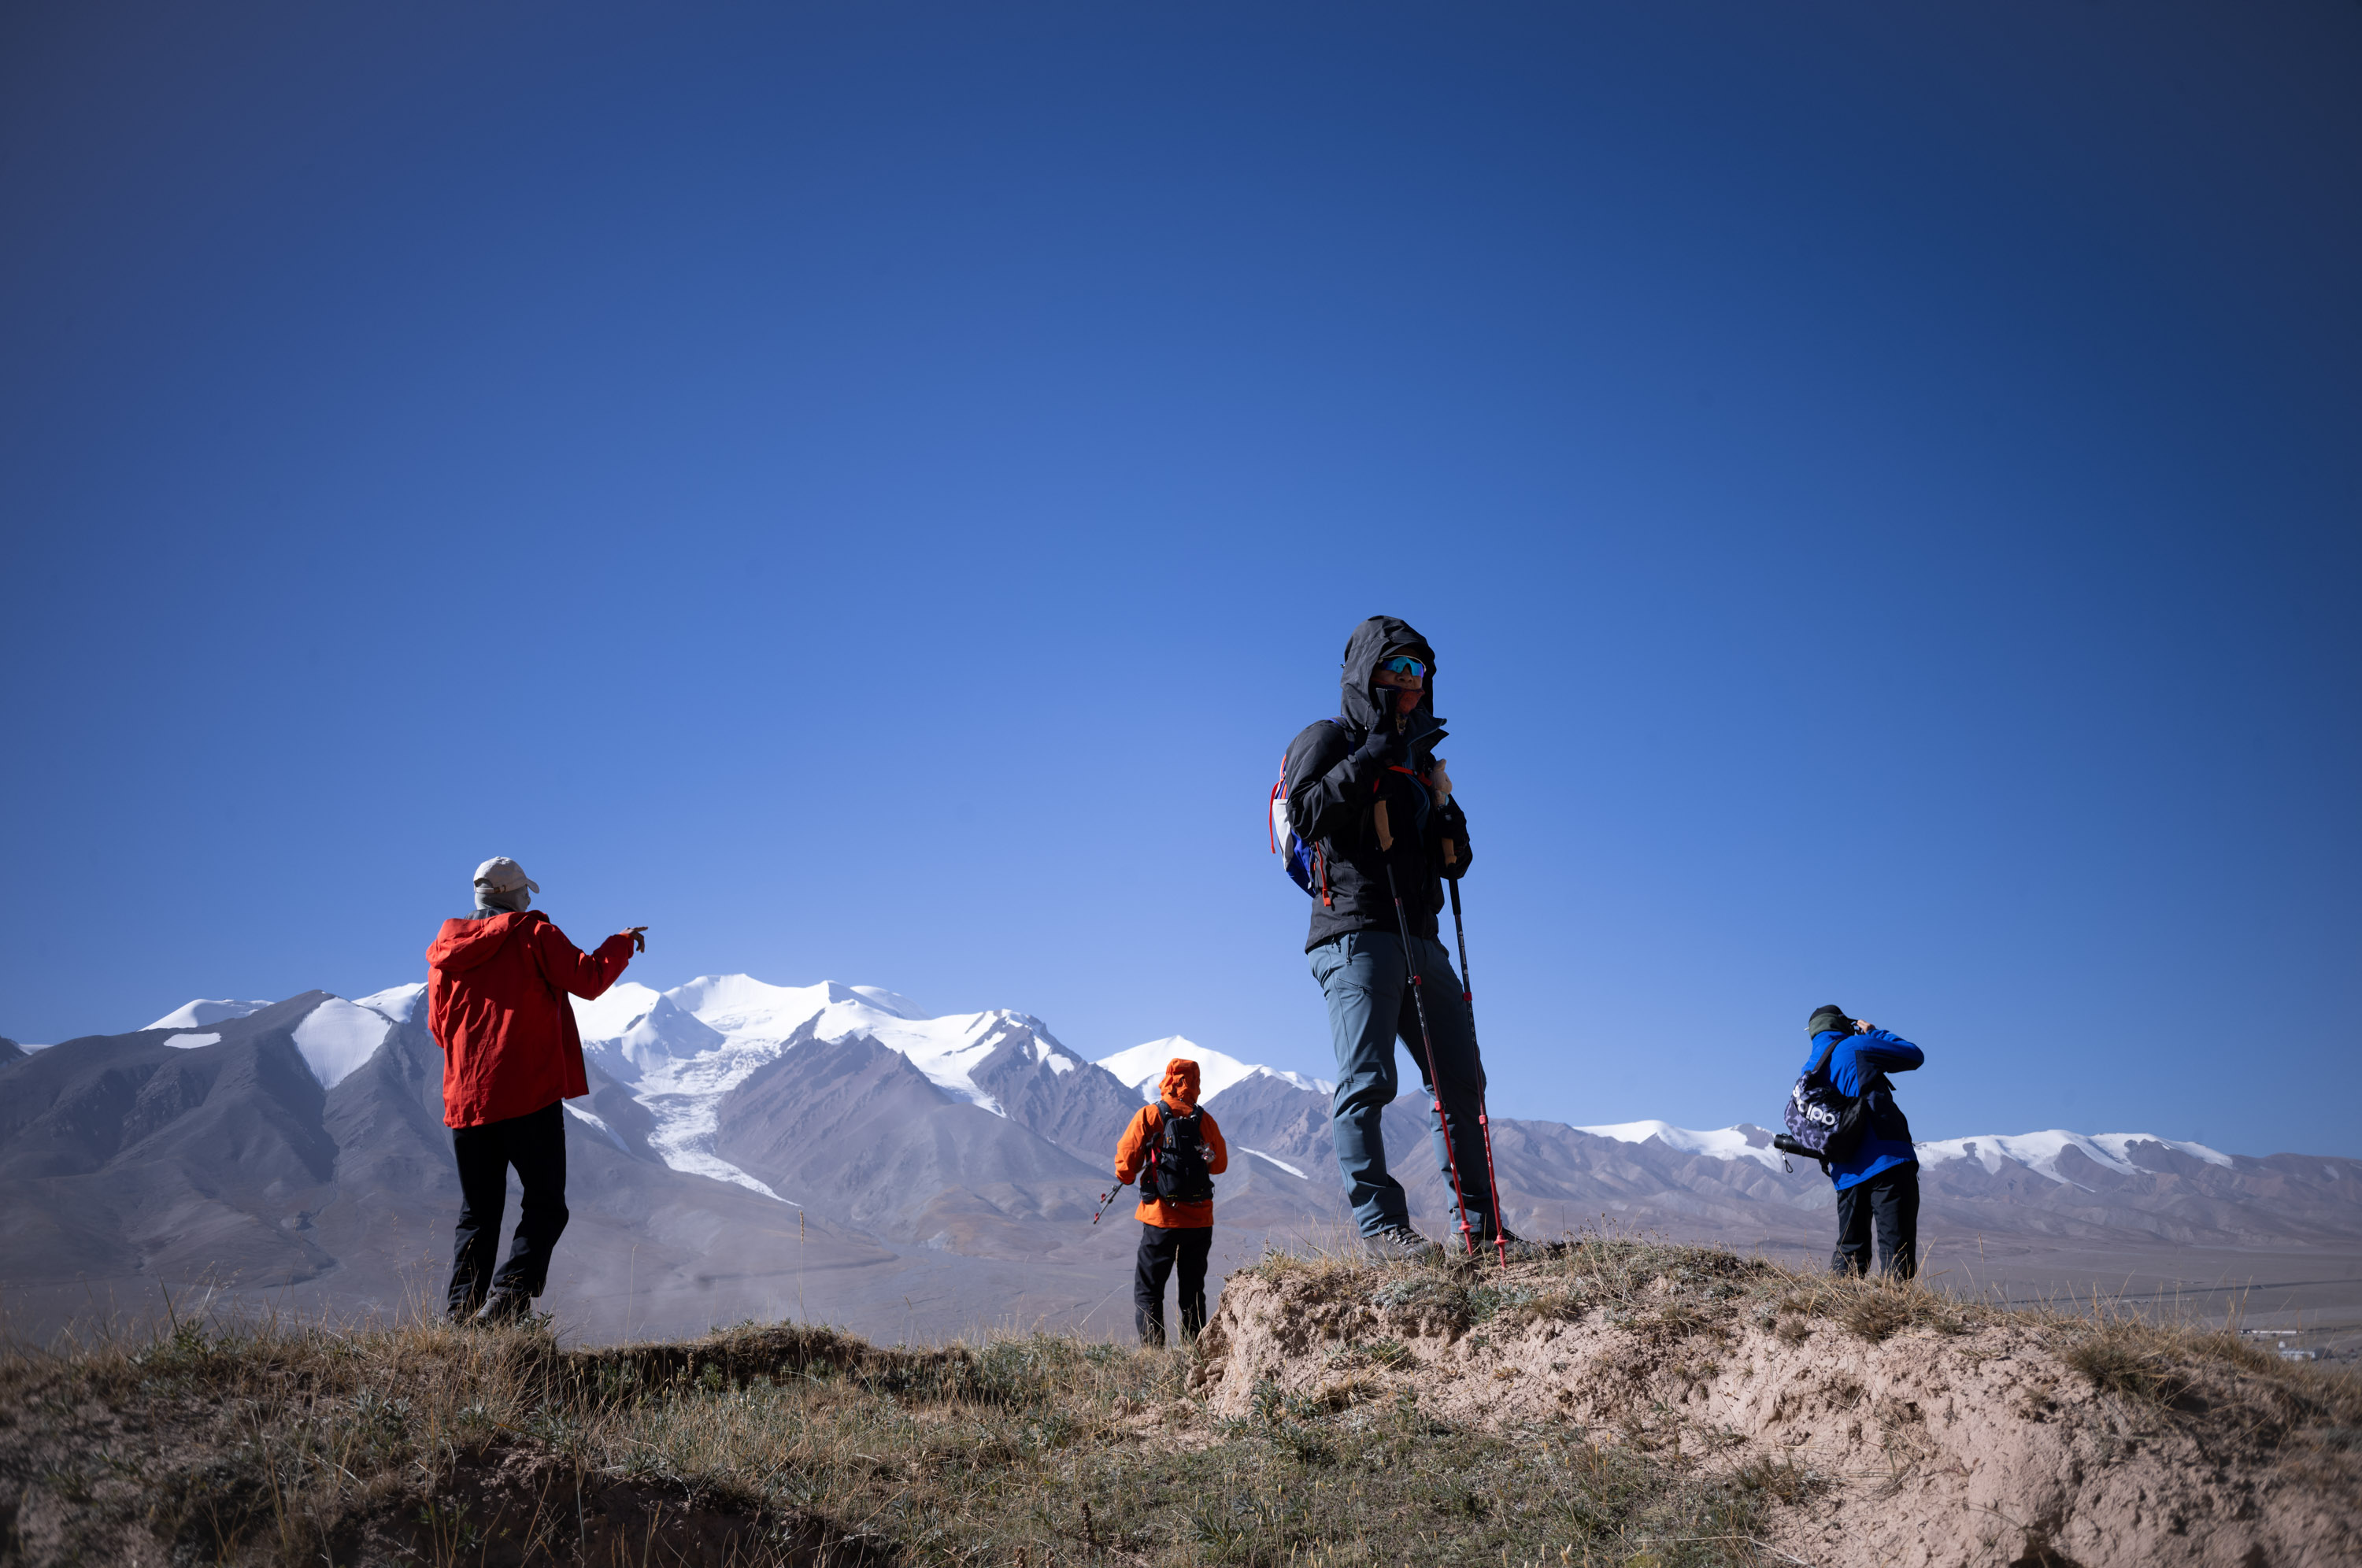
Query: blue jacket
{"type": "Point", "coordinates": [1857, 1059]}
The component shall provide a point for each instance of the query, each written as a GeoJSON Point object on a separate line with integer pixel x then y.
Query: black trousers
{"type": "Point", "coordinates": [1160, 1248]}
{"type": "Point", "coordinates": [1888, 1203]}
{"type": "Point", "coordinates": [535, 1144]}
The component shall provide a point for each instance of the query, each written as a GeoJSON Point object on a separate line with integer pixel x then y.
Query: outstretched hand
{"type": "Point", "coordinates": [639, 942]}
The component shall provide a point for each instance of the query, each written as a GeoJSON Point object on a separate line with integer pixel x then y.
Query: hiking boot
{"type": "Point", "coordinates": [506, 1307]}
{"type": "Point", "coordinates": [1400, 1243]}
{"type": "Point", "coordinates": [1507, 1243]}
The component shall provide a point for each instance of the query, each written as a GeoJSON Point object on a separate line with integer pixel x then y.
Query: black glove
{"type": "Point", "coordinates": [1385, 747]}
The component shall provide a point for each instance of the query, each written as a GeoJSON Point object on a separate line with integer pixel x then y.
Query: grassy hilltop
{"type": "Point", "coordinates": [1617, 1402]}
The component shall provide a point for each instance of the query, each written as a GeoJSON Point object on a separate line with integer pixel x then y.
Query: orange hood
{"type": "Point", "coordinates": [1180, 1084]}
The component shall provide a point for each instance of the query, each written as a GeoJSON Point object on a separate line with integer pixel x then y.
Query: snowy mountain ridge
{"type": "Point", "coordinates": [1142, 1067]}
{"type": "Point", "coordinates": [679, 1052]}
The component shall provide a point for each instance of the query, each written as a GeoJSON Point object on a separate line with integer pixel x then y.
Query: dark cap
{"type": "Point", "coordinates": [1828, 1017]}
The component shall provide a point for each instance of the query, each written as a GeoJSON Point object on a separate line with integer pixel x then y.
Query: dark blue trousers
{"type": "Point", "coordinates": [535, 1144]}
{"type": "Point", "coordinates": [1887, 1203]}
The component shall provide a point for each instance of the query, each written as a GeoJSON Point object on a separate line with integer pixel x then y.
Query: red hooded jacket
{"type": "Point", "coordinates": [496, 1004]}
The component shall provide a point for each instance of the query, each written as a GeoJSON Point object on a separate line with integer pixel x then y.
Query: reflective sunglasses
{"type": "Point", "coordinates": [1409, 667]}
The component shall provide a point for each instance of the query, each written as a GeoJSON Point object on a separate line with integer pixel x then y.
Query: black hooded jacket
{"type": "Point", "coordinates": [1333, 784]}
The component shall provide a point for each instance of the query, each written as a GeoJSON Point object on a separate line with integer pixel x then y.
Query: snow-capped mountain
{"type": "Point", "coordinates": [1142, 1067]}
{"type": "Point", "coordinates": [2041, 1154]}
{"type": "Point", "coordinates": [680, 1053]}
{"type": "Point", "coordinates": [945, 1167]}
{"type": "Point", "coordinates": [198, 1013]}
{"type": "Point", "coordinates": [1745, 1141]}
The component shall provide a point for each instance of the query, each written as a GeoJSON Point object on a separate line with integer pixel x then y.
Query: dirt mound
{"type": "Point", "coordinates": [1897, 1426]}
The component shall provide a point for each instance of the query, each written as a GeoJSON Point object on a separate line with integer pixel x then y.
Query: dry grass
{"type": "Point", "coordinates": [795, 1444]}
{"type": "Point", "coordinates": [782, 1444]}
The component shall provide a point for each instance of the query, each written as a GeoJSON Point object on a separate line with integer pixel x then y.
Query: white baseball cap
{"type": "Point", "coordinates": [502, 875]}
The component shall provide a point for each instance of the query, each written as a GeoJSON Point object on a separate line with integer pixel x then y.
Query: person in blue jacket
{"type": "Point", "coordinates": [1878, 1183]}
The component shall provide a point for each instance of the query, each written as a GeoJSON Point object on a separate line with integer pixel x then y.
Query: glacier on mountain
{"type": "Point", "coordinates": [679, 1052]}
{"type": "Point", "coordinates": [338, 1037]}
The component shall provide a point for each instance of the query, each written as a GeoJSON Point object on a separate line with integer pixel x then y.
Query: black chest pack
{"type": "Point", "coordinates": [1176, 1159]}
{"type": "Point", "coordinates": [1824, 1123]}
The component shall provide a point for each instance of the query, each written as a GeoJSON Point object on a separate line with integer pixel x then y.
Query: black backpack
{"type": "Point", "coordinates": [1176, 1159]}
{"type": "Point", "coordinates": [1823, 1123]}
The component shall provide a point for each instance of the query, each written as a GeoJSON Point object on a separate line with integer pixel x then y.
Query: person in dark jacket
{"type": "Point", "coordinates": [1366, 790]}
{"type": "Point", "coordinates": [1878, 1181]}
{"type": "Point", "coordinates": [497, 981]}
{"type": "Point", "coordinates": [1176, 1229]}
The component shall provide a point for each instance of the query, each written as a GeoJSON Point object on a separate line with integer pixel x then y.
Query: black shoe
{"type": "Point", "coordinates": [1400, 1243]}
{"type": "Point", "coordinates": [505, 1306]}
{"type": "Point", "coordinates": [1505, 1242]}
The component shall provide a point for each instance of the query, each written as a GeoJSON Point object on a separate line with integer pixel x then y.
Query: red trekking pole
{"type": "Point", "coordinates": [1426, 1037]}
{"type": "Point", "coordinates": [1484, 1120]}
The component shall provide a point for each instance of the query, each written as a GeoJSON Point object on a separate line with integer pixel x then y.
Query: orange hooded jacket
{"type": "Point", "coordinates": [1180, 1091]}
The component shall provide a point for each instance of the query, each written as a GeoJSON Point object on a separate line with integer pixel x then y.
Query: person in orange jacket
{"type": "Point", "coordinates": [1174, 1150]}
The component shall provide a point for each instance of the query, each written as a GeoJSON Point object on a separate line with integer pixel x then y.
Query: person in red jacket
{"type": "Point", "coordinates": [497, 981]}
{"type": "Point", "coordinates": [1176, 1151]}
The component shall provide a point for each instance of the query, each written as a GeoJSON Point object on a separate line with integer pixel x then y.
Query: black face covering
{"type": "Point", "coordinates": [1826, 1018]}
{"type": "Point", "coordinates": [1382, 637]}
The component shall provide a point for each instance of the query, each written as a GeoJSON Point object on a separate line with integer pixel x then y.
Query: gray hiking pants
{"type": "Point", "coordinates": [1370, 1006]}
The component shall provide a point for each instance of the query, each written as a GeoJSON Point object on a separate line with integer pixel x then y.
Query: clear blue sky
{"type": "Point", "coordinates": [869, 489]}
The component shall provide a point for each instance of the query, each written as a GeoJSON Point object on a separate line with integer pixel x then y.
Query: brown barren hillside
{"type": "Point", "coordinates": [1909, 1428]}
{"type": "Point", "coordinates": [1613, 1402]}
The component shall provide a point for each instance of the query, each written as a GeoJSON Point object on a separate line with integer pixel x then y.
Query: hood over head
{"type": "Point", "coordinates": [1825, 1018]}
{"type": "Point", "coordinates": [1381, 637]}
{"type": "Point", "coordinates": [1180, 1084]}
{"type": "Point", "coordinates": [468, 940]}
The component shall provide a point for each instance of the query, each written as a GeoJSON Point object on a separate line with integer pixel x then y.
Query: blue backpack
{"type": "Point", "coordinates": [1307, 867]}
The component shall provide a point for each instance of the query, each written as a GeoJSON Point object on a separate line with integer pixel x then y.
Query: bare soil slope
{"type": "Point", "coordinates": [1902, 1427]}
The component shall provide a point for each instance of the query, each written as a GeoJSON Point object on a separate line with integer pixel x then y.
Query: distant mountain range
{"type": "Point", "coordinates": [757, 1150]}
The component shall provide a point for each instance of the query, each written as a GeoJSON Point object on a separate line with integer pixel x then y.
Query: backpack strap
{"type": "Point", "coordinates": [1821, 1063]}
{"type": "Point", "coordinates": [1874, 1079]}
